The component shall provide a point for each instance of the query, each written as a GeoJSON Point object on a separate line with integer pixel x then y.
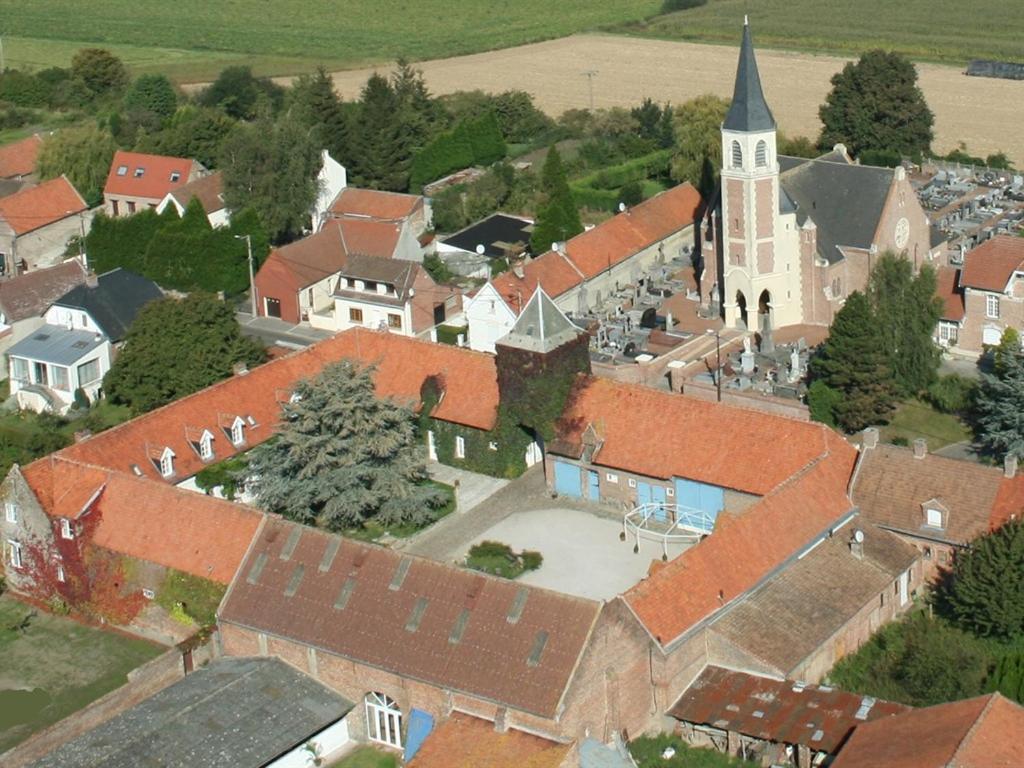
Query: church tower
{"type": "Point", "coordinates": [761, 277]}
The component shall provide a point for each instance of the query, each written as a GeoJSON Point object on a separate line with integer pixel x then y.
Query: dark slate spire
{"type": "Point", "coordinates": [748, 111]}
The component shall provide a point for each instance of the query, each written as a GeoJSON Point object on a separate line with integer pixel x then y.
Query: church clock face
{"type": "Point", "coordinates": [902, 235]}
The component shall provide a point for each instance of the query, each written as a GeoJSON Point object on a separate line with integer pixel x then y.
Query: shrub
{"type": "Point", "coordinates": [449, 334]}
{"type": "Point", "coordinates": [186, 597]}
{"type": "Point", "coordinates": [532, 560]}
{"type": "Point", "coordinates": [668, 6]}
{"type": "Point", "coordinates": [822, 401]}
{"type": "Point", "coordinates": [952, 393]}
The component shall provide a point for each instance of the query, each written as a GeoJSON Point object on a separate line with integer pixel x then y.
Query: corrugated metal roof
{"type": "Point", "coordinates": [781, 711]}
{"type": "Point", "coordinates": [57, 345]}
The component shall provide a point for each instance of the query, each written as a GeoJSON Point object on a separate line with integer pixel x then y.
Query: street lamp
{"type": "Point", "coordinates": [252, 282]}
{"type": "Point", "coordinates": [718, 355]}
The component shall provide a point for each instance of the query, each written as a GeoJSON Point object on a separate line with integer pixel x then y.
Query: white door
{"type": "Point", "coordinates": [991, 335]}
{"type": "Point", "coordinates": [533, 454]}
{"type": "Point", "coordinates": [383, 720]}
{"type": "Point", "coordinates": [431, 446]}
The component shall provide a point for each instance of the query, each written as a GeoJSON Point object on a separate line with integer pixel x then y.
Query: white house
{"type": "Point", "coordinates": [489, 318]}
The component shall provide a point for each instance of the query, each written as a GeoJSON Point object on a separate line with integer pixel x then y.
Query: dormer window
{"type": "Point", "coordinates": [238, 432]}
{"type": "Point", "coordinates": [933, 517]}
{"type": "Point", "coordinates": [139, 172]}
{"type": "Point", "coordinates": [935, 514]}
{"type": "Point", "coordinates": [175, 176]}
{"type": "Point", "coordinates": [206, 446]}
{"type": "Point", "coordinates": [166, 463]}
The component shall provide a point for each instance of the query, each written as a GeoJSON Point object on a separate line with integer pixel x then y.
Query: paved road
{"type": "Point", "coordinates": [270, 330]}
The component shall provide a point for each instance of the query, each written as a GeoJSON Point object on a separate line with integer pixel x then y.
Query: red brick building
{"type": "Point", "coordinates": [138, 181]}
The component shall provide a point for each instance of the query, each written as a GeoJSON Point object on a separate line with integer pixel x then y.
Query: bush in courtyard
{"type": "Point", "coordinates": [952, 393]}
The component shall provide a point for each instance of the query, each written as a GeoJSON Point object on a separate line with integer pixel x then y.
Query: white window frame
{"type": "Point", "coordinates": [632, 483]}
{"type": "Point", "coordinates": [206, 447]}
{"type": "Point", "coordinates": [238, 432]}
{"type": "Point", "coordinates": [737, 154]}
{"type": "Point", "coordinates": [670, 491]}
{"type": "Point", "coordinates": [14, 548]}
{"type": "Point", "coordinates": [460, 447]}
{"type": "Point", "coordinates": [167, 464]}
{"type": "Point", "coordinates": [66, 531]}
{"type": "Point", "coordinates": [383, 720]}
{"type": "Point", "coordinates": [929, 512]}
{"type": "Point", "coordinates": [611, 477]}
{"type": "Point", "coordinates": [11, 511]}
{"type": "Point", "coordinates": [992, 306]}
{"type": "Point", "coordinates": [61, 576]}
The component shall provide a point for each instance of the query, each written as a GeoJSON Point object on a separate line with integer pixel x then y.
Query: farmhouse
{"type": "Point", "coordinates": [354, 203]}
{"type": "Point", "coordinates": [18, 164]}
{"type": "Point", "coordinates": [588, 268]}
{"type": "Point", "coordinates": [37, 223]}
{"type": "Point", "coordinates": [787, 239]}
{"type": "Point", "coordinates": [137, 181]}
{"type": "Point", "coordinates": [209, 190]}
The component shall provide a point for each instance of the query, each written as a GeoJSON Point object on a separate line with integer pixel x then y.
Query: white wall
{"type": "Point", "coordinates": [489, 318]}
{"type": "Point", "coordinates": [331, 180]}
{"type": "Point", "coordinates": [329, 740]}
{"type": "Point", "coordinates": [102, 353]}
{"type": "Point", "coordinates": [374, 315]}
{"type": "Point", "coordinates": [76, 318]}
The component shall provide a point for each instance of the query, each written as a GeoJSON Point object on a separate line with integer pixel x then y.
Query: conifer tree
{"type": "Point", "coordinates": [344, 456]}
{"type": "Point", "coordinates": [999, 407]}
{"type": "Point", "coordinates": [381, 141]}
{"type": "Point", "coordinates": [852, 362]}
{"type": "Point", "coordinates": [317, 106]}
{"type": "Point", "coordinates": [986, 590]}
{"type": "Point", "coordinates": [558, 218]}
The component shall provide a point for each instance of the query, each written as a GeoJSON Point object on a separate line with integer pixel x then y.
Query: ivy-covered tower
{"type": "Point", "coordinates": [538, 361]}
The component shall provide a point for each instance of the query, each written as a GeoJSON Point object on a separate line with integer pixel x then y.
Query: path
{"type": "Point", "coordinates": [474, 488]}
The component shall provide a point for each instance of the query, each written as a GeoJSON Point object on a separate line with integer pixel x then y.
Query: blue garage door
{"type": "Point", "coordinates": [593, 485]}
{"type": "Point", "coordinates": [646, 493]}
{"type": "Point", "coordinates": [707, 498]}
{"type": "Point", "coordinates": [568, 480]}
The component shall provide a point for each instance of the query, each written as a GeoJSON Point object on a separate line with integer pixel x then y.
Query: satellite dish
{"type": "Point", "coordinates": [858, 536]}
{"type": "Point", "coordinates": [622, 207]}
{"type": "Point", "coordinates": [480, 250]}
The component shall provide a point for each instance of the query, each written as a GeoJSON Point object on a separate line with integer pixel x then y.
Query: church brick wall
{"type": "Point", "coordinates": [736, 224]}
{"type": "Point", "coordinates": [764, 200]}
{"type": "Point", "coordinates": [766, 257]}
{"type": "Point", "coordinates": [902, 202]}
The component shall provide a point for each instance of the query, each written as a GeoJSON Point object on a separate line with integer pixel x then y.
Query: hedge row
{"type": "Point", "coordinates": [472, 142]}
{"type": "Point", "coordinates": [602, 190]}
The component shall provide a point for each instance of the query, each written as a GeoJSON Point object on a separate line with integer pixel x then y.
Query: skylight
{"type": "Point", "coordinates": [400, 573]}
{"type": "Point", "coordinates": [418, 609]}
{"type": "Point", "coordinates": [346, 592]}
{"type": "Point", "coordinates": [295, 580]}
{"type": "Point", "coordinates": [538, 648]}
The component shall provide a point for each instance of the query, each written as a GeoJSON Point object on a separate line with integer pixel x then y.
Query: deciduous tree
{"type": "Point", "coordinates": [698, 124]}
{"type": "Point", "coordinates": [344, 456]}
{"type": "Point", "coordinates": [176, 347]}
{"type": "Point", "coordinates": [240, 93]}
{"type": "Point", "coordinates": [83, 155]}
{"type": "Point", "coordinates": [875, 103]}
{"type": "Point", "coordinates": [152, 93]}
{"type": "Point", "coordinates": [100, 70]}
{"type": "Point", "coordinates": [194, 132]}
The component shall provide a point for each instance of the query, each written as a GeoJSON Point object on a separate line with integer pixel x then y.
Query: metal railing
{"type": "Point", "coordinates": [666, 524]}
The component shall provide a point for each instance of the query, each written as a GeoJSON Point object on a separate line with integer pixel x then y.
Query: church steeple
{"type": "Point", "coordinates": [749, 111]}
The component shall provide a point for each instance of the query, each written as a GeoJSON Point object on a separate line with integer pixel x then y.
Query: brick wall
{"type": "Point", "coordinates": [976, 320]}
{"type": "Point", "coordinates": [764, 200]}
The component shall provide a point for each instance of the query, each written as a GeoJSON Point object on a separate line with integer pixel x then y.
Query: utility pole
{"type": "Point", "coordinates": [252, 281]}
{"type": "Point", "coordinates": [591, 74]}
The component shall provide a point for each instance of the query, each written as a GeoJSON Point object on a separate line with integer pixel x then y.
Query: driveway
{"type": "Point", "coordinates": [270, 330]}
{"type": "Point", "coordinates": [583, 554]}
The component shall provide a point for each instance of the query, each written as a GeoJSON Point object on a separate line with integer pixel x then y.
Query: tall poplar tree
{"type": "Point", "coordinates": [343, 456]}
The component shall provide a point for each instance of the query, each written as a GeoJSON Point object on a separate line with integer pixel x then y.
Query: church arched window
{"type": "Point", "coordinates": [737, 155]}
{"type": "Point", "coordinates": [761, 154]}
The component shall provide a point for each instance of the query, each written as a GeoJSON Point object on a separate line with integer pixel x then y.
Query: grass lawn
{"type": "Point", "coordinates": [647, 751]}
{"type": "Point", "coordinates": [937, 30]}
{"type": "Point", "coordinates": [194, 39]}
{"type": "Point", "coordinates": [914, 419]}
{"type": "Point", "coordinates": [56, 667]}
{"type": "Point", "coordinates": [367, 757]}
{"type": "Point", "coordinates": [372, 530]}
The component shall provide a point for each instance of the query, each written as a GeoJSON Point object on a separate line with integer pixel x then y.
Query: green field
{"type": "Point", "coordinates": [55, 666]}
{"type": "Point", "coordinates": [196, 38]}
{"type": "Point", "coordinates": [937, 30]}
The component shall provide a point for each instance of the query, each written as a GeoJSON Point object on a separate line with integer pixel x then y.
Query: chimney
{"type": "Point", "coordinates": [1010, 465]}
{"type": "Point", "coordinates": [920, 448]}
{"type": "Point", "coordinates": [239, 369]}
{"type": "Point", "coordinates": [517, 270]}
{"type": "Point", "coordinates": [501, 720]}
{"type": "Point", "coordinates": [91, 281]}
{"type": "Point", "coordinates": [857, 544]}
{"type": "Point", "coordinates": [870, 439]}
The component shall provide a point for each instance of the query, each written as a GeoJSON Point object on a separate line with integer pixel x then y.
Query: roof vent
{"type": "Point", "coordinates": [920, 448]}
{"type": "Point", "coordinates": [865, 707]}
{"type": "Point", "coordinates": [400, 573]}
{"type": "Point", "coordinates": [360, 557]}
{"type": "Point", "coordinates": [515, 612]}
{"type": "Point", "coordinates": [136, 471]}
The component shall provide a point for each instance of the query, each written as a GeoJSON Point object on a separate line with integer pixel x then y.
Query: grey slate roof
{"type": "Point", "coordinates": [57, 345]}
{"type": "Point", "coordinates": [541, 326]}
{"type": "Point", "coordinates": [844, 201]}
{"type": "Point", "coordinates": [594, 754]}
{"type": "Point", "coordinates": [749, 111]}
{"type": "Point", "coordinates": [242, 713]}
{"type": "Point", "coordinates": [114, 301]}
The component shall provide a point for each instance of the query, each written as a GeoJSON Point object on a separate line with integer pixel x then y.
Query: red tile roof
{"type": "Point", "coordinates": [161, 524]}
{"type": "Point", "coordinates": [990, 265]}
{"type": "Point", "coordinates": [744, 549]}
{"type": "Point", "coordinates": [662, 434]}
{"type": "Point", "coordinates": [402, 364]}
{"type": "Point", "coordinates": [463, 741]}
{"type": "Point", "coordinates": [374, 204]}
{"type": "Point", "coordinates": [156, 180]}
{"type": "Point", "coordinates": [1009, 503]}
{"type": "Point", "coordinates": [38, 207]}
{"type": "Point", "coordinates": [30, 294]}
{"type": "Point", "coordinates": [598, 249]}
{"type": "Point", "coordinates": [818, 717]}
{"type": "Point", "coordinates": [983, 732]}
{"type": "Point", "coordinates": [19, 158]}
{"type": "Point", "coordinates": [947, 288]}
{"type": "Point", "coordinates": [366, 237]}
{"type": "Point", "coordinates": [208, 189]}
{"type": "Point", "coordinates": [420, 619]}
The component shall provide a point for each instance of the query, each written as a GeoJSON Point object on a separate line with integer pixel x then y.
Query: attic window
{"type": "Point", "coordinates": [418, 609]}
{"type": "Point", "coordinates": [175, 176]}
{"type": "Point", "coordinates": [167, 463]}
{"type": "Point", "coordinates": [139, 172]}
{"type": "Point", "coordinates": [80, 345]}
{"type": "Point", "coordinates": [539, 642]}
{"type": "Point", "coordinates": [515, 612]}
{"type": "Point", "coordinates": [66, 531]}
{"type": "Point", "coordinates": [329, 554]}
{"type": "Point", "coordinates": [206, 446]}
{"type": "Point", "coordinates": [257, 568]}
{"type": "Point", "coordinates": [136, 471]}
{"type": "Point", "coordinates": [238, 432]}
{"type": "Point", "coordinates": [933, 517]}
{"type": "Point", "coordinates": [122, 170]}
{"type": "Point", "coordinates": [291, 543]}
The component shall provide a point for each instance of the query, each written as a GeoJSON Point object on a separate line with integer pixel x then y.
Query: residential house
{"type": "Point", "coordinates": [279, 718]}
{"type": "Point", "coordinates": [954, 315]}
{"type": "Point", "coordinates": [408, 635]}
{"type": "Point", "coordinates": [983, 732]}
{"type": "Point", "coordinates": [18, 164]}
{"type": "Point", "coordinates": [991, 291]}
{"type": "Point", "coordinates": [771, 721]}
{"type": "Point", "coordinates": [786, 240]}
{"type": "Point", "coordinates": [209, 190]}
{"type": "Point", "coordinates": [938, 504]}
{"type": "Point", "coordinates": [137, 181]}
{"type": "Point", "coordinates": [410, 210]}
{"type": "Point", "coordinates": [25, 298]}
{"type": "Point", "coordinates": [332, 179]}
{"type": "Point", "coordinates": [37, 223]}
{"type": "Point", "coordinates": [74, 348]}
{"type": "Point", "coordinates": [487, 246]}
{"type": "Point", "coordinates": [591, 266]}
{"type": "Point", "coordinates": [298, 282]}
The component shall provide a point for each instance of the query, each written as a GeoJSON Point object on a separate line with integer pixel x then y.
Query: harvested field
{"type": "Point", "coordinates": [985, 113]}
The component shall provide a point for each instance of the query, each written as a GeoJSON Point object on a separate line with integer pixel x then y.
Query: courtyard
{"type": "Point", "coordinates": [583, 554]}
{"type": "Point", "coordinates": [51, 666]}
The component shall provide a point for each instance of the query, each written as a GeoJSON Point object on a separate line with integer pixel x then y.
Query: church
{"type": "Point", "coordinates": [786, 239]}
